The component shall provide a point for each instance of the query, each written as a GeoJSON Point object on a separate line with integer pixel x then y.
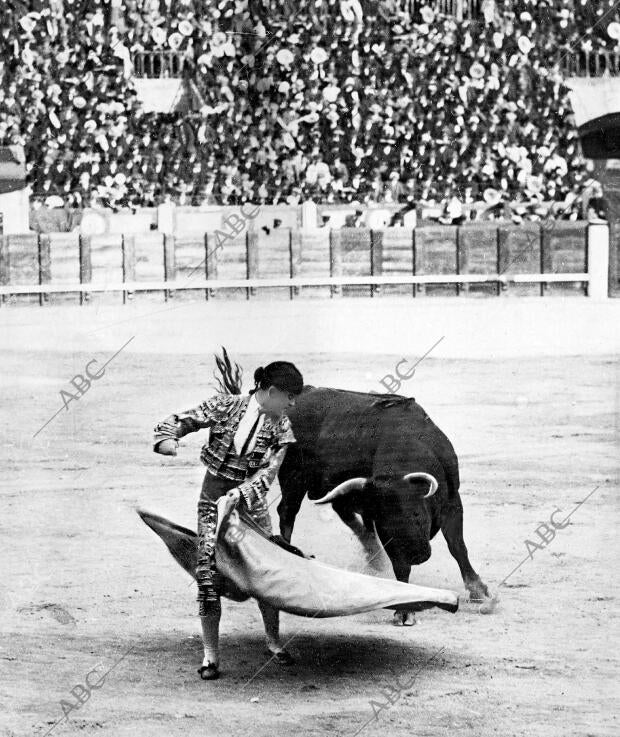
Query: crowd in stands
{"type": "Point", "coordinates": [334, 100]}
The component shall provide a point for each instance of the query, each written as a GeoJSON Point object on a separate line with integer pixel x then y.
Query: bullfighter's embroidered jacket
{"type": "Point", "coordinates": [222, 413]}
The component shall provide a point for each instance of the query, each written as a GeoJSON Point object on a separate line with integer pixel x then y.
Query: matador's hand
{"type": "Point", "coordinates": [234, 495]}
{"type": "Point", "coordinates": [167, 447]}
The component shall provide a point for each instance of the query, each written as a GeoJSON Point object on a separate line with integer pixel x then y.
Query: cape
{"type": "Point", "coordinates": [255, 564]}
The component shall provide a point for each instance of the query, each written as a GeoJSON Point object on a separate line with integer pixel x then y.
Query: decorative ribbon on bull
{"type": "Point", "coordinates": [254, 564]}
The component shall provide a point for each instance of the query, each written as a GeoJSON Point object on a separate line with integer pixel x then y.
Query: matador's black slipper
{"type": "Point", "coordinates": [209, 672]}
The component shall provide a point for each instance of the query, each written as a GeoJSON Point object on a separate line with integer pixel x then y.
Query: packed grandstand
{"type": "Point", "coordinates": [334, 100]}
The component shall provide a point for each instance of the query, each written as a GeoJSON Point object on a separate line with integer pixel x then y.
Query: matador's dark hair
{"type": "Point", "coordinates": [282, 374]}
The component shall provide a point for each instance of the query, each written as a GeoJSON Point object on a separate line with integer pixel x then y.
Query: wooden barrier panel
{"type": "Point", "coordinates": [190, 259]}
{"type": "Point", "coordinates": [335, 259]}
{"type": "Point", "coordinates": [149, 263]}
{"type": "Point", "coordinates": [311, 257]}
{"type": "Point", "coordinates": [396, 257]}
{"type": "Point", "coordinates": [64, 254]}
{"type": "Point", "coordinates": [23, 263]}
{"type": "Point", "coordinates": [436, 253]}
{"type": "Point", "coordinates": [4, 265]}
{"type": "Point", "coordinates": [564, 251]}
{"type": "Point", "coordinates": [376, 259]}
{"type": "Point", "coordinates": [478, 254]}
{"type": "Point", "coordinates": [170, 272]}
{"type": "Point", "coordinates": [229, 259]}
{"type": "Point", "coordinates": [470, 253]}
{"type": "Point", "coordinates": [614, 255]}
{"type": "Point", "coordinates": [355, 258]}
{"type": "Point", "coordinates": [45, 264]}
{"type": "Point", "coordinates": [607, 172]}
{"type": "Point", "coordinates": [598, 258]}
{"type": "Point", "coordinates": [128, 246]}
{"type": "Point", "coordinates": [519, 253]}
{"type": "Point", "coordinates": [106, 265]}
{"type": "Point", "coordinates": [273, 258]}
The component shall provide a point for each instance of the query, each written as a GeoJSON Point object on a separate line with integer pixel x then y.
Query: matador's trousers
{"type": "Point", "coordinates": [207, 577]}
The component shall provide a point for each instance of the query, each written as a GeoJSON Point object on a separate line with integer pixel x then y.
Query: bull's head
{"type": "Point", "coordinates": [362, 484]}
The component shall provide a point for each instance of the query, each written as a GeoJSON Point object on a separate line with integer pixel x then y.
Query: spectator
{"type": "Point", "coordinates": [596, 205]}
{"type": "Point", "coordinates": [348, 101]}
{"type": "Point", "coordinates": [355, 220]}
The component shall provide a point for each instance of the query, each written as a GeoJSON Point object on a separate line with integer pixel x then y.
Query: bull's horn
{"type": "Point", "coordinates": [345, 487]}
{"type": "Point", "coordinates": [428, 477]}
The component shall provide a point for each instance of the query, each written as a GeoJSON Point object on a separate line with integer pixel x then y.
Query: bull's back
{"type": "Point", "coordinates": [335, 426]}
{"type": "Point", "coordinates": [341, 428]}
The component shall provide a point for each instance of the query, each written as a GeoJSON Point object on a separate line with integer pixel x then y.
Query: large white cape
{"type": "Point", "coordinates": [253, 565]}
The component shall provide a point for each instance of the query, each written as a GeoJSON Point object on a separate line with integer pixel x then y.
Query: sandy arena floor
{"type": "Point", "coordinates": [85, 585]}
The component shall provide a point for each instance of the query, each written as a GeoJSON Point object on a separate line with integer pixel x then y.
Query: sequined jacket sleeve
{"type": "Point", "coordinates": [177, 425]}
{"type": "Point", "coordinates": [255, 487]}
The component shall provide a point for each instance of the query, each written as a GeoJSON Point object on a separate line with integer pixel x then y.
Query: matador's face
{"type": "Point", "coordinates": [277, 402]}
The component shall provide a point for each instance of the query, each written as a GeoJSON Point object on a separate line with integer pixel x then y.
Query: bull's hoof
{"type": "Point", "coordinates": [209, 672]}
{"type": "Point", "coordinates": [403, 619]}
{"type": "Point", "coordinates": [478, 592]}
{"type": "Point", "coordinates": [489, 605]}
{"type": "Point", "coordinates": [281, 657]}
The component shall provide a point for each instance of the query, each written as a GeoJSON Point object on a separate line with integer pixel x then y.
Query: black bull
{"type": "Point", "coordinates": [343, 435]}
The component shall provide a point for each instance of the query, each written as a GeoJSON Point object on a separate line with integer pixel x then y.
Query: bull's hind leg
{"type": "Point", "coordinates": [452, 529]}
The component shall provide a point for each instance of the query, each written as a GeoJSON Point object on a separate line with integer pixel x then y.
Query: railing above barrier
{"type": "Point", "coordinates": [299, 282]}
{"type": "Point", "coordinates": [571, 62]}
{"type": "Point", "coordinates": [595, 63]}
{"type": "Point", "coordinates": [460, 9]}
{"type": "Point", "coordinates": [158, 64]}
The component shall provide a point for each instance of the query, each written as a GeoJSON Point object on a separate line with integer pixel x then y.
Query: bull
{"type": "Point", "coordinates": [386, 468]}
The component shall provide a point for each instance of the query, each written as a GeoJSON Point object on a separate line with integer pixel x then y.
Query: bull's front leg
{"type": "Point", "coordinates": [287, 512]}
{"type": "Point", "coordinates": [286, 528]}
{"type": "Point", "coordinates": [402, 567]}
{"type": "Point", "coordinates": [452, 528]}
{"type": "Point", "coordinates": [402, 617]}
{"type": "Point", "coordinates": [293, 486]}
